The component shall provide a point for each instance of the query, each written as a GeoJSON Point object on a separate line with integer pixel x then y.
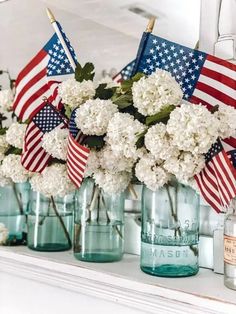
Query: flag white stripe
{"type": "Point", "coordinates": [72, 171]}
{"type": "Point", "coordinates": [218, 85]}
{"type": "Point", "coordinates": [32, 73]}
{"type": "Point", "coordinates": [221, 188]}
{"type": "Point", "coordinates": [75, 163]}
{"type": "Point", "coordinates": [229, 172]}
{"type": "Point", "coordinates": [210, 175]}
{"type": "Point", "coordinates": [206, 97]}
{"type": "Point", "coordinates": [37, 102]}
{"type": "Point", "coordinates": [32, 166]}
{"type": "Point", "coordinates": [220, 69]}
{"type": "Point", "coordinates": [208, 184]}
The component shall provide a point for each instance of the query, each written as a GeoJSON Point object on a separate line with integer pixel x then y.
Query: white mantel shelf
{"type": "Point", "coordinates": [122, 282]}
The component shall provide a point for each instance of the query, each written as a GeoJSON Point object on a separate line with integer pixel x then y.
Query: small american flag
{"type": "Point", "coordinates": [77, 154]}
{"type": "Point", "coordinates": [34, 158]}
{"type": "Point", "coordinates": [203, 78]}
{"type": "Point", "coordinates": [125, 73]}
{"type": "Point", "coordinates": [217, 181]}
{"type": "Point", "coordinates": [41, 77]}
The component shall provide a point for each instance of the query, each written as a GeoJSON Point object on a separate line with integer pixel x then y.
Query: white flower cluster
{"type": "Point", "coordinates": [53, 181]}
{"type": "Point", "coordinates": [185, 166]}
{"type": "Point", "coordinates": [153, 93]}
{"type": "Point", "coordinates": [106, 167]}
{"type": "Point", "coordinates": [111, 182]}
{"type": "Point", "coordinates": [158, 142]}
{"type": "Point", "coordinates": [226, 116]}
{"type": "Point", "coordinates": [3, 233]}
{"type": "Point", "coordinates": [12, 168]}
{"type": "Point", "coordinates": [6, 99]}
{"type": "Point", "coordinates": [93, 116]}
{"type": "Point", "coordinates": [3, 146]}
{"type": "Point", "coordinates": [74, 93]}
{"type": "Point", "coordinates": [3, 180]}
{"type": "Point", "coordinates": [193, 128]}
{"type": "Point", "coordinates": [55, 142]}
{"type": "Point", "coordinates": [122, 134]}
{"type": "Point", "coordinates": [15, 134]}
{"type": "Point", "coordinates": [151, 172]}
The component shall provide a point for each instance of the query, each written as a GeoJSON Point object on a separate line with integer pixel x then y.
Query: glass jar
{"type": "Point", "coordinates": [230, 247]}
{"type": "Point", "coordinates": [99, 224]}
{"type": "Point", "coordinates": [170, 231]}
{"type": "Point", "coordinates": [14, 204]}
{"type": "Point", "coordinates": [50, 222]}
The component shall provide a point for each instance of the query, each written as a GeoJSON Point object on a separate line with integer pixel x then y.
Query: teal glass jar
{"type": "Point", "coordinates": [14, 204]}
{"type": "Point", "coordinates": [99, 224]}
{"type": "Point", "coordinates": [50, 222]}
{"type": "Point", "coordinates": [170, 231]}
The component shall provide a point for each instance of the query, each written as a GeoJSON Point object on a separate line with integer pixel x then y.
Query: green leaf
{"type": "Point", "coordinates": [94, 141]}
{"type": "Point", "coordinates": [3, 131]}
{"type": "Point", "coordinates": [68, 111]}
{"type": "Point", "coordinates": [84, 73]}
{"type": "Point", "coordinates": [122, 101]}
{"type": "Point", "coordinates": [137, 76]}
{"type": "Point", "coordinates": [161, 116]}
{"type": "Point", "coordinates": [140, 141]}
{"type": "Point", "coordinates": [13, 150]}
{"type": "Point", "coordinates": [104, 93]}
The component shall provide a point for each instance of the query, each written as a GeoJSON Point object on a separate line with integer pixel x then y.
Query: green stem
{"type": "Point", "coordinates": [19, 202]}
{"type": "Point", "coordinates": [61, 221]}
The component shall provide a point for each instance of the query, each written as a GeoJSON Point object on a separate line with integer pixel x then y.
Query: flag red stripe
{"type": "Point", "coordinates": [216, 94]}
{"type": "Point", "coordinates": [32, 82]}
{"type": "Point", "coordinates": [225, 63]}
{"type": "Point", "coordinates": [32, 64]}
{"type": "Point", "coordinates": [225, 80]}
{"type": "Point", "coordinates": [196, 100]}
{"type": "Point", "coordinates": [81, 165]}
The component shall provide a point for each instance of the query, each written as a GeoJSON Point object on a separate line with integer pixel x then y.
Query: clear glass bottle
{"type": "Point", "coordinates": [170, 231]}
{"type": "Point", "coordinates": [99, 224]}
{"type": "Point", "coordinates": [50, 222]}
{"type": "Point", "coordinates": [14, 204]}
{"type": "Point", "coordinates": [230, 247]}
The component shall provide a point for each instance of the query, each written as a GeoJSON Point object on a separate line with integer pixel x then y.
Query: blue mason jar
{"type": "Point", "coordinates": [170, 231]}
{"type": "Point", "coordinates": [98, 224]}
{"type": "Point", "coordinates": [14, 205]}
{"type": "Point", "coordinates": [50, 222]}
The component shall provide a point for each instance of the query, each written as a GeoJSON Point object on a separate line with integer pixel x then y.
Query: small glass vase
{"type": "Point", "coordinates": [50, 223]}
{"type": "Point", "coordinates": [99, 224]}
{"type": "Point", "coordinates": [170, 231]}
{"type": "Point", "coordinates": [14, 204]}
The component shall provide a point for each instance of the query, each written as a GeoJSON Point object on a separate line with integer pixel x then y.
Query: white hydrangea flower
{"type": "Point", "coordinates": [93, 163]}
{"type": "Point", "coordinates": [193, 128]}
{"type": "Point", "coordinates": [114, 162]}
{"type": "Point", "coordinates": [75, 93]}
{"type": "Point", "coordinates": [185, 166]}
{"type": "Point", "coordinates": [55, 143]}
{"type": "Point", "coordinates": [122, 134]}
{"type": "Point", "coordinates": [13, 169]}
{"type": "Point", "coordinates": [6, 99]}
{"type": "Point", "coordinates": [227, 118]}
{"type": "Point", "coordinates": [150, 171]}
{"type": "Point", "coordinates": [153, 93]}
{"type": "Point", "coordinates": [112, 183]}
{"type": "Point", "coordinates": [3, 180]}
{"type": "Point", "coordinates": [3, 145]}
{"type": "Point", "coordinates": [53, 181]}
{"type": "Point", "coordinates": [15, 134]}
{"type": "Point", "coordinates": [93, 116]}
{"type": "Point", "coordinates": [3, 233]}
{"type": "Point", "coordinates": [158, 142]}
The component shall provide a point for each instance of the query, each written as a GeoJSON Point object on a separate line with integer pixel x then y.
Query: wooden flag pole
{"type": "Point", "coordinates": [60, 36]}
{"type": "Point", "coordinates": [143, 43]}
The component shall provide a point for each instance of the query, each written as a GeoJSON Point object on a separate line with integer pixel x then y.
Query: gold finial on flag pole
{"type": "Point", "coordinates": [150, 25]}
{"type": "Point", "coordinates": [50, 16]}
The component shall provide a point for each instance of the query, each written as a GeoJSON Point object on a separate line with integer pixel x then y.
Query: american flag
{"type": "Point", "coordinates": [41, 77]}
{"type": "Point", "coordinates": [77, 154]}
{"type": "Point", "coordinates": [34, 158]}
{"type": "Point", "coordinates": [203, 78]}
{"type": "Point", "coordinates": [217, 181]}
{"type": "Point", "coordinates": [125, 73]}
